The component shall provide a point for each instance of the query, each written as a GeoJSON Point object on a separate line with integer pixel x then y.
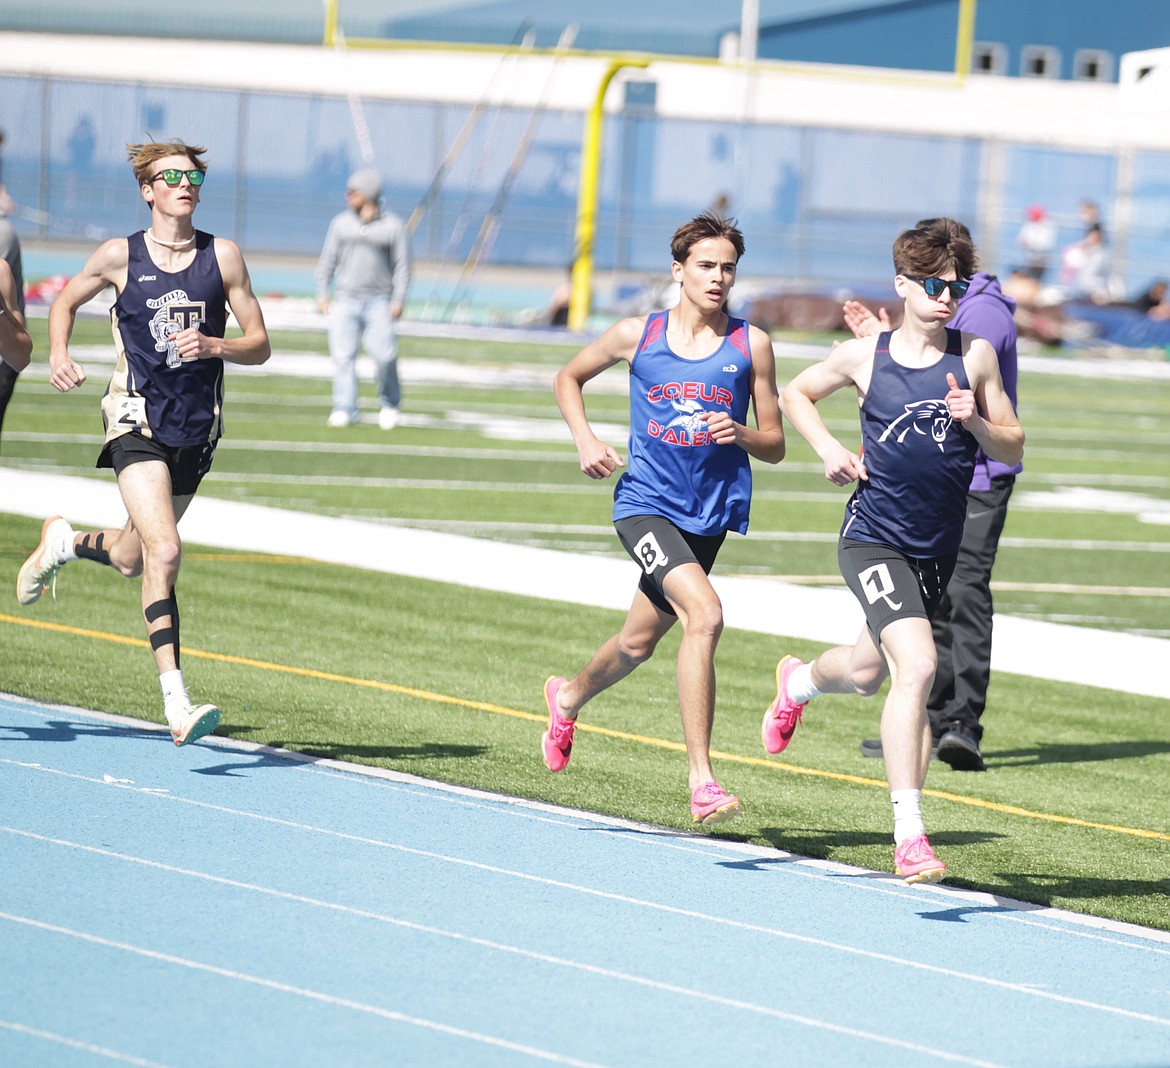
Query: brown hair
{"type": "Point", "coordinates": [933, 246]}
{"type": "Point", "coordinates": [143, 157]}
{"type": "Point", "coordinates": [701, 227]}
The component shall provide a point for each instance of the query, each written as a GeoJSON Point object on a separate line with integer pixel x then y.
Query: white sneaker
{"type": "Point", "coordinates": [337, 420]}
{"type": "Point", "coordinates": [193, 723]}
{"type": "Point", "coordinates": [388, 418]}
{"type": "Point", "coordinates": [40, 569]}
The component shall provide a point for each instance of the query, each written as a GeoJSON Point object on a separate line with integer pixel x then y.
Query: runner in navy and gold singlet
{"type": "Point", "coordinates": [163, 408]}
{"type": "Point", "coordinates": [930, 397]}
{"type": "Point", "coordinates": [694, 372]}
{"type": "Point", "coordinates": [154, 391]}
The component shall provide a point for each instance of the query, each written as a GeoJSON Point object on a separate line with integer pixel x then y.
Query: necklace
{"type": "Point", "coordinates": [170, 244]}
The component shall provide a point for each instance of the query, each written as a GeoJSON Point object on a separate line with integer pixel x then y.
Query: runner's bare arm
{"type": "Point", "coordinates": [254, 347]}
{"type": "Point", "coordinates": [106, 267]}
{"type": "Point", "coordinates": [618, 343]}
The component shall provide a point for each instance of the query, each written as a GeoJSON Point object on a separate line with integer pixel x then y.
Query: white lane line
{"type": "Point", "coordinates": [1128, 935]}
{"type": "Point", "coordinates": [605, 895]}
{"type": "Point", "coordinates": [73, 1043]}
{"type": "Point", "coordinates": [439, 932]}
{"type": "Point", "coordinates": [299, 991]}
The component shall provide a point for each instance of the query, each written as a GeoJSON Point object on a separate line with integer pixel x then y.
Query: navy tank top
{"type": "Point", "coordinates": [153, 392]}
{"type": "Point", "coordinates": [919, 460]}
{"type": "Point", "coordinates": [675, 469]}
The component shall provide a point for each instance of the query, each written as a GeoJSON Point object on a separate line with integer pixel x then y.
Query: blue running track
{"type": "Point", "coordinates": [225, 904]}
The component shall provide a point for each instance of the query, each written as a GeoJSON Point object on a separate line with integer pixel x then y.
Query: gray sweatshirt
{"type": "Point", "coordinates": [364, 259]}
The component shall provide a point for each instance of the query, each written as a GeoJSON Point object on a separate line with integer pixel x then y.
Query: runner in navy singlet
{"type": "Point", "coordinates": [15, 344]}
{"type": "Point", "coordinates": [694, 371]}
{"type": "Point", "coordinates": [163, 408]}
{"type": "Point", "coordinates": [930, 398]}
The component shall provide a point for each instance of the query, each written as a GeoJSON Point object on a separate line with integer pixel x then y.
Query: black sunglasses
{"type": "Point", "coordinates": [173, 177]}
{"type": "Point", "coordinates": [935, 286]}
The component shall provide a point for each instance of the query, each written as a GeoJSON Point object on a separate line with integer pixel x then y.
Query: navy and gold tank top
{"type": "Point", "coordinates": [919, 460]}
{"type": "Point", "coordinates": [675, 469]}
{"type": "Point", "coordinates": [153, 392]}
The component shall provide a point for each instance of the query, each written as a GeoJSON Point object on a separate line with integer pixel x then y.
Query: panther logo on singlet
{"type": "Point", "coordinates": [173, 313]}
{"type": "Point", "coordinates": [924, 417]}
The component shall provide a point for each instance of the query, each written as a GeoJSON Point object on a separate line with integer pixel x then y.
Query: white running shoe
{"type": "Point", "coordinates": [388, 418]}
{"type": "Point", "coordinates": [337, 420]}
{"type": "Point", "coordinates": [193, 723]}
{"type": "Point", "coordinates": [40, 569]}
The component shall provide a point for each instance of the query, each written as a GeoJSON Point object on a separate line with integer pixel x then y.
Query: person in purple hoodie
{"type": "Point", "coordinates": [962, 626]}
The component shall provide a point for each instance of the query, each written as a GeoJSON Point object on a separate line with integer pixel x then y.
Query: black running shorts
{"type": "Point", "coordinates": [658, 547]}
{"type": "Point", "coordinates": [186, 463]}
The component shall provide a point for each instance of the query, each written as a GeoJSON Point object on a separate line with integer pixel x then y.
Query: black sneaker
{"type": "Point", "coordinates": [961, 751]}
{"type": "Point", "coordinates": [872, 747]}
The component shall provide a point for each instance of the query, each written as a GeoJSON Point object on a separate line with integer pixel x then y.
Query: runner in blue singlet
{"type": "Point", "coordinates": [694, 371]}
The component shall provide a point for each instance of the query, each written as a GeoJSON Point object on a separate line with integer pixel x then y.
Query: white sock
{"type": "Point", "coordinates": [63, 551]}
{"type": "Point", "coordinates": [174, 691]}
{"type": "Point", "coordinates": [907, 814]}
{"type": "Point", "coordinates": [800, 685]}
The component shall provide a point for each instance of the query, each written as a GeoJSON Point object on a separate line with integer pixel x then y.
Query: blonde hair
{"type": "Point", "coordinates": [144, 157]}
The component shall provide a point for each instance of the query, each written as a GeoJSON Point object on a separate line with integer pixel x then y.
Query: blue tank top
{"type": "Point", "coordinates": [675, 470]}
{"type": "Point", "coordinates": [153, 392]}
{"type": "Point", "coordinates": [919, 460]}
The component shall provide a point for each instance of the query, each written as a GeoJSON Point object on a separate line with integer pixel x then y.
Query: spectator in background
{"type": "Point", "coordinates": [557, 312]}
{"type": "Point", "coordinates": [1085, 268]}
{"type": "Point", "coordinates": [1153, 301]}
{"type": "Point", "coordinates": [366, 260]}
{"type": "Point", "coordinates": [11, 255]}
{"type": "Point", "coordinates": [1090, 217]}
{"type": "Point", "coordinates": [1037, 237]}
{"type": "Point", "coordinates": [81, 145]}
{"type": "Point", "coordinates": [963, 623]}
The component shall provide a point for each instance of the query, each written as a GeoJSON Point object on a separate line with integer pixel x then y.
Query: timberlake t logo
{"type": "Point", "coordinates": [687, 428]}
{"type": "Point", "coordinates": [173, 313]}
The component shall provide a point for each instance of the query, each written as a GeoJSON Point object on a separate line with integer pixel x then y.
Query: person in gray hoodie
{"type": "Point", "coordinates": [962, 626]}
{"type": "Point", "coordinates": [366, 260]}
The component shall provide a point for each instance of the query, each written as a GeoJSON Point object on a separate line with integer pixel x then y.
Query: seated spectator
{"type": "Point", "coordinates": [1037, 237]}
{"type": "Point", "coordinates": [1085, 268]}
{"type": "Point", "coordinates": [1153, 299]}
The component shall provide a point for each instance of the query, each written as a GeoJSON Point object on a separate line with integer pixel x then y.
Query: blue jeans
{"type": "Point", "coordinates": [354, 321]}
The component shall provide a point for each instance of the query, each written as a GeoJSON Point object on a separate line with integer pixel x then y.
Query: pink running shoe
{"type": "Point", "coordinates": [915, 861]}
{"type": "Point", "coordinates": [557, 742]}
{"type": "Point", "coordinates": [710, 804]}
{"type": "Point", "coordinates": [783, 714]}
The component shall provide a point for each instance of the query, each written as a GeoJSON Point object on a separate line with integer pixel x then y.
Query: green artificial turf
{"type": "Point", "coordinates": [445, 682]}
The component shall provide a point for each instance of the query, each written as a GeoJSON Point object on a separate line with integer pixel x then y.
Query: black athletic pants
{"type": "Point", "coordinates": [962, 625]}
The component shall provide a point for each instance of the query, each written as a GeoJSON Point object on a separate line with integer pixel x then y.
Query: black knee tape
{"type": "Point", "coordinates": [91, 547]}
{"type": "Point", "coordinates": [164, 635]}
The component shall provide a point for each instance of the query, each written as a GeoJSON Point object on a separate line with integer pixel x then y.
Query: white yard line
{"type": "Point", "coordinates": [1091, 657]}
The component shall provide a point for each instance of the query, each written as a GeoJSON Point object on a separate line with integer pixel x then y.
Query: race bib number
{"type": "Point", "coordinates": [131, 411]}
{"type": "Point", "coordinates": [649, 554]}
{"type": "Point", "coordinates": [878, 584]}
